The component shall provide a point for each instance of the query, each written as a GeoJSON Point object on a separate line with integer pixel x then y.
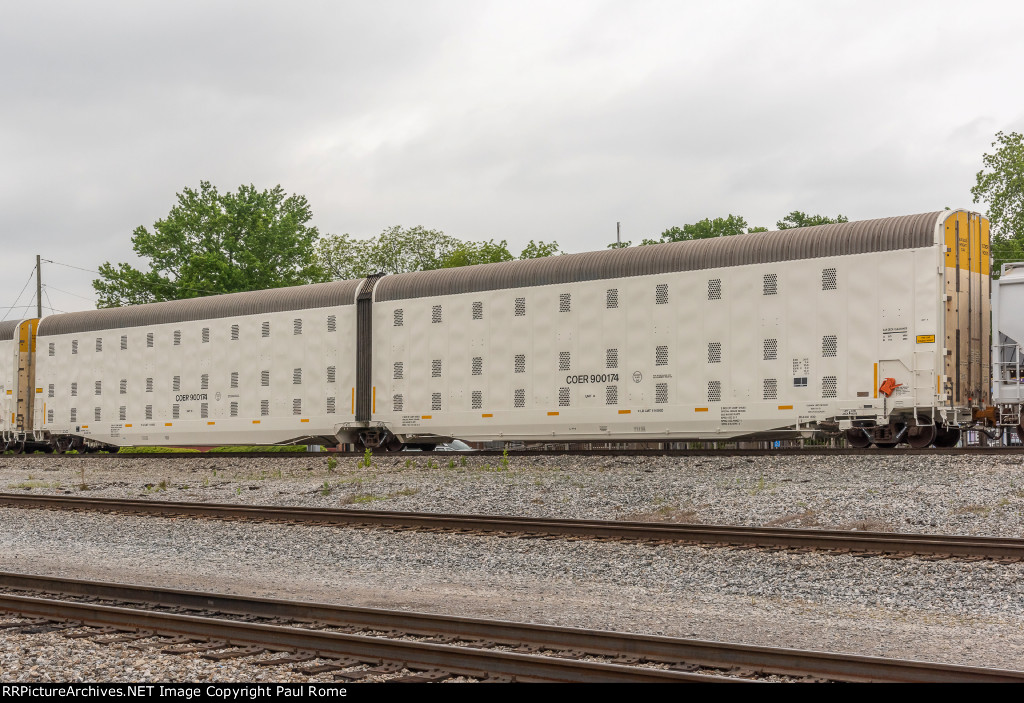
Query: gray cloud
{"type": "Point", "coordinates": [508, 120]}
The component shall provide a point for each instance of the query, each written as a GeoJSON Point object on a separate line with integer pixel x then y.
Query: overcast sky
{"type": "Point", "coordinates": [505, 120]}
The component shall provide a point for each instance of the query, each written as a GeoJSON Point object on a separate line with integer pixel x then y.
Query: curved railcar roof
{"type": "Point", "coordinates": [317, 295]}
{"type": "Point", "coordinates": [7, 329]}
{"type": "Point", "coordinates": [887, 234]}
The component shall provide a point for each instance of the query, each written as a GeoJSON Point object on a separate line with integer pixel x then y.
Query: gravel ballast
{"type": "Point", "coordinates": [957, 612]}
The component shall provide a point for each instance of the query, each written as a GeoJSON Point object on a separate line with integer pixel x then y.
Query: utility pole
{"type": "Point", "coordinates": [618, 233]}
{"type": "Point", "coordinates": [39, 289]}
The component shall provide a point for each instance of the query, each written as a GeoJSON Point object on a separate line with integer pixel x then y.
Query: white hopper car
{"type": "Point", "coordinates": [877, 329]}
{"type": "Point", "coordinates": [1008, 348]}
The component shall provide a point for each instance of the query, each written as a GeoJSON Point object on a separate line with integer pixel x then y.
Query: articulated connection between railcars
{"type": "Point", "coordinates": [876, 331]}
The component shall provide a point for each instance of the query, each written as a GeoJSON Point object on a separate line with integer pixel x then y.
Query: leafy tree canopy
{"type": "Point", "coordinates": [1000, 184]}
{"type": "Point", "coordinates": [705, 229]}
{"type": "Point", "coordinates": [214, 242]}
{"type": "Point", "coordinates": [801, 219]}
{"type": "Point", "coordinates": [402, 249]}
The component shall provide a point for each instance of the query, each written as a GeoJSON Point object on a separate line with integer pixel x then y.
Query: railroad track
{"type": "Point", "coordinates": [360, 642]}
{"type": "Point", "coordinates": [882, 544]}
{"type": "Point", "coordinates": [808, 451]}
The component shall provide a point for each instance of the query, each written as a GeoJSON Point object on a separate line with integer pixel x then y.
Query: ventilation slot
{"type": "Point", "coordinates": [99, 344]}
{"type": "Point", "coordinates": [74, 390]}
{"type": "Point", "coordinates": [53, 349]}
{"type": "Point", "coordinates": [771, 349]}
{"type": "Point", "coordinates": [478, 310]}
{"type": "Point", "coordinates": [331, 374]}
{"type": "Point", "coordinates": [828, 279]}
{"type": "Point", "coordinates": [296, 326]}
{"type": "Point", "coordinates": [49, 415]}
{"type": "Point", "coordinates": [564, 302]}
{"type": "Point", "coordinates": [611, 395]}
{"type": "Point", "coordinates": [296, 377]}
{"type": "Point", "coordinates": [50, 391]}
{"type": "Point", "coordinates": [563, 361]}
{"type": "Point", "coordinates": [611, 298]}
{"type": "Point", "coordinates": [771, 284]}
{"type": "Point", "coordinates": [149, 384]}
{"type": "Point", "coordinates": [611, 358]}
{"type": "Point", "coordinates": [435, 315]}
{"type": "Point", "coordinates": [74, 346]}
{"type": "Point", "coordinates": [206, 335]}
{"type": "Point", "coordinates": [124, 342]}
{"type": "Point", "coordinates": [478, 365]}
{"type": "Point", "coordinates": [97, 414]}
{"type": "Point", "coordinates": [660, 392]}
{"type": "Point", "coordinates": [478, 400]}
{"type": "Point", "coordinates": [177, 338]}
{"type": "Point", "coordinates": [266, 328]}
{"type": "Point", "coordinates": [661, 294]}
{"type": "Point", "coordinates": [435, 368]}
{"type": "Point", "coordinates": [714, 391]}
{"type": "Point", "coordinates": [149, 412]}
{"type": "Point", "coordinates": [714, 352]}
{"type": "Point", "coordinates": [264, 378]}
{"type": "Point", "coordinates": [234, 379]}
{"type": "Point", "coordinates": [74, 414]}
{"type": "Point", "coordinates": [264, 408]}
{"type": "Point", "coordinates": [520, 307]}
{"type": "Point", "coordinates": [331, 408]}
{"type": "Point", "coordinates": [661, 356]}
{"type": "Point", "coordinates": [520, 397]}
{"type": "Point", "coordinates": [204, 410]}
{"type": "Point", "coordinates": [99, 388]}
{"type": "Point", "coordinates": [715, 289]}
{"type": "Point", "coordinates": [435, 401]}
{"type": "Point", "coordinates": [399, 370]}
{"type": "Point", "coordinates": [399, 317]}
{"type": "Point", "coordinates": [122, 413]}
{"type": "Point", "coordinates": [829, 345]}
{"type": "Point", "coordinates": [332, 323]}
{"type": "Point", "coordinates": [175, 384]}
{"type": "Point", "coordinates": [828, 387]}
{"type": "Point", "coordinates": [296, 406]}
{"type": "Point", "coordinates": [234, 408]}
{"type": "Point", "coordinates": [563, 397]}
{"type": "Point", "coordinates": [123, 386]}
{"type": "Point", "coordinates": [398, 403]}
{"type": "Point", "coordinates": [204, 382]}
{"type": "Point", "coordinates": [771, 389]}
{"type": "Point", "coordinates": [234, 333]}
{"type": "Point", "coordinates": [520, 363]}
{"type": "Point", "coordinates": [175, 411]}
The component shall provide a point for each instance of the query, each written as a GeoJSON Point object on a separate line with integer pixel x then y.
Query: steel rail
{"type": "Point", "coordinates": [809, 451]}
{"type": "Point", "coordinates": [882, 543]}
{"type": "Point", "coordinates": [424, 655]}
{"type": "Point", "coordinates": [773, 660]}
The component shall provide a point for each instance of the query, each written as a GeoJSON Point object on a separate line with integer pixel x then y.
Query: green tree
{"type": "Point", "coordinates": [705, 229]}
{"type": "Point", "coordinates": [540, 249]}
{"type": "Point", "coordinates": [1000, 184]}
{"type": "Point", "coordinates": [214, 242]}
{"type": "Point", "coordinates": [802, 219]}
{"type": "Point", "coordinates": [472, 253]}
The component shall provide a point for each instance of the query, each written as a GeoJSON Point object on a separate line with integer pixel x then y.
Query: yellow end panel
{"type": "Point", "coordinates": [986, 252]}
{"type": "Point", "coordinates": [951, 242]}
{"type": "Point", "coordinates": [963, 241]}
{"type": "Point", "coordinates": [975, 244]}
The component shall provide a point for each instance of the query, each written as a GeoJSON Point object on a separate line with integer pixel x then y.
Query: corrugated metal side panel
{"type": "Point", "coordinates": [317, 295]}
{"type": "Point", "coordinates": [7, 329]}
{"type": "Point", "coordinates": [887, 234]}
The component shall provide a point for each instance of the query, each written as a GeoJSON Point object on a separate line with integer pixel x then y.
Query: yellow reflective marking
{"type": "Point", "coordinates": [353, 401]}
{"type": "Point", "coordinates": [426, 417]}
{"type": "Point", "coordinates": [624, 412]}
{"type": "Point", "coordinates": [255, 422]}
{"type": "Point", "coordinates": [85, 427]}
{"type": "Point", "coordinates": [876, 380]}
{"type": "Point", "coordinates": [785, 407]}
{"type": "Point", "coordinates": [39, 390]}
{"type": "Point", "coordinates": [168, 424]}
{"type": "Point", "coordinates": [487, 415]}
{"type": "Point", "coordinates": [553, 413]}
{"type": "Point", "coordinates": [9, 392]}
{"type": "Point", "coordinates": [925, 338]}
{"type": "Point", "coordinates": [305, 419]}
{"type": "Point", "coordinates": [700, 410]}
{"type": "Point", "coordinates": [211, 423]}
{"type": "Point", "coordinates": [128, 425]}
{"type": "Point", "coordinates": [375, 400]}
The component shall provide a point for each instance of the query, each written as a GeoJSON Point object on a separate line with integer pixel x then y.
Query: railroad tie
{"type": "Point", "coordinates": [296, 658]}
{"type": "Point", "coordinates": [330, 665]}
{"type": "Point", "coordinates": [126, 637]}
{"type": "Point", "coordinates": [428, 676]}
{"type": "Point", "coordinates": [234, 653]}
{"type": "Point", "coordinates": [194, 648]}
{"type": "Point", "coordinates": [90, 632]}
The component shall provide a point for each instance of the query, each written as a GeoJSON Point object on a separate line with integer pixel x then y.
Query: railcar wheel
{"type": "Point", "coordinates": [946, 437]}
{"type": "Point", "coordinates": [62, 444]}
{"type": "Point", "coordinates": [18, 447]}
{"type": "Point", "coordinates": [857, 438]}
{"type": "Point", "coordinates": [393, 444]}
{"type": "Point", "coordinates": [111, 449]}
{"type": "Point", "coordinates": [921, 436]}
